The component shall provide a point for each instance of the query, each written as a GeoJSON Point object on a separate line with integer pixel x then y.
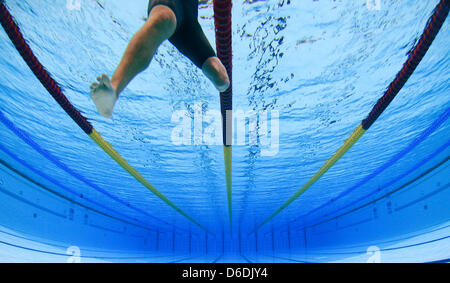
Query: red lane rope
{"type": "Point", "coordinates": [14, 33]}
{"type": "Point", "coordinates": [223, 25]}
{"type": "Point", "coordinates": [415, 57]}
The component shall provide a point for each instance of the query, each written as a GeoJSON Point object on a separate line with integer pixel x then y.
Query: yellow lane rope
{"type": "Point", "coordinates": [227, 151]}
{"type": "Point", "coordinates": [357, 134]}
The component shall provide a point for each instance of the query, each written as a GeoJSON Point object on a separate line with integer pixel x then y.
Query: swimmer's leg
{"type": "Point", "coordinates": [160, 25]}
{"type": "Point", "coordinates": [191, 41]}
{"type": "Point", "coordinates": [215, 71]}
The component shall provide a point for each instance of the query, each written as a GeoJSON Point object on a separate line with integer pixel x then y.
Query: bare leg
{"type": "Point", "coordinates": [216, 72]}
{"type": "Point", "coordinates": [160, 25]}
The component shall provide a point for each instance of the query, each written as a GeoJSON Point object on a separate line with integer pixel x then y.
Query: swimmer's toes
{"type": "Point", "coordinates": [94, 86]}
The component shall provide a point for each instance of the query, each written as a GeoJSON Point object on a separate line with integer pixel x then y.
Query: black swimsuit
{"type": "Point", "coordinates": [188, 38]}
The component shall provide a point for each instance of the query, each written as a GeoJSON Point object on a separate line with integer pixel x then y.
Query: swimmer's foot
{"type": "Point", "coordinates": [104, 96]}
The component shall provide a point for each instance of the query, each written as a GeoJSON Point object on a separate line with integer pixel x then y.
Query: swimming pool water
{"type": "Point", "coordinates": [321, 65]}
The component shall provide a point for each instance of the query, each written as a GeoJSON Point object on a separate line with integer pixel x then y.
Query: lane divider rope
{"type": "Point", "coordinates": [224, 46]}
{"type": "Point", "coordinates": [416, 142]}
{"type": "Point", "coordinates": [433, 27]}
{"type": "Point", "coordinates": [423, 136]}
{"type": "Point", "coordinates": [25, 137]}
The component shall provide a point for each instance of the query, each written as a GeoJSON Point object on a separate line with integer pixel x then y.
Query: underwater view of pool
{"type": "Point", "coordinates": [151, 184]}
